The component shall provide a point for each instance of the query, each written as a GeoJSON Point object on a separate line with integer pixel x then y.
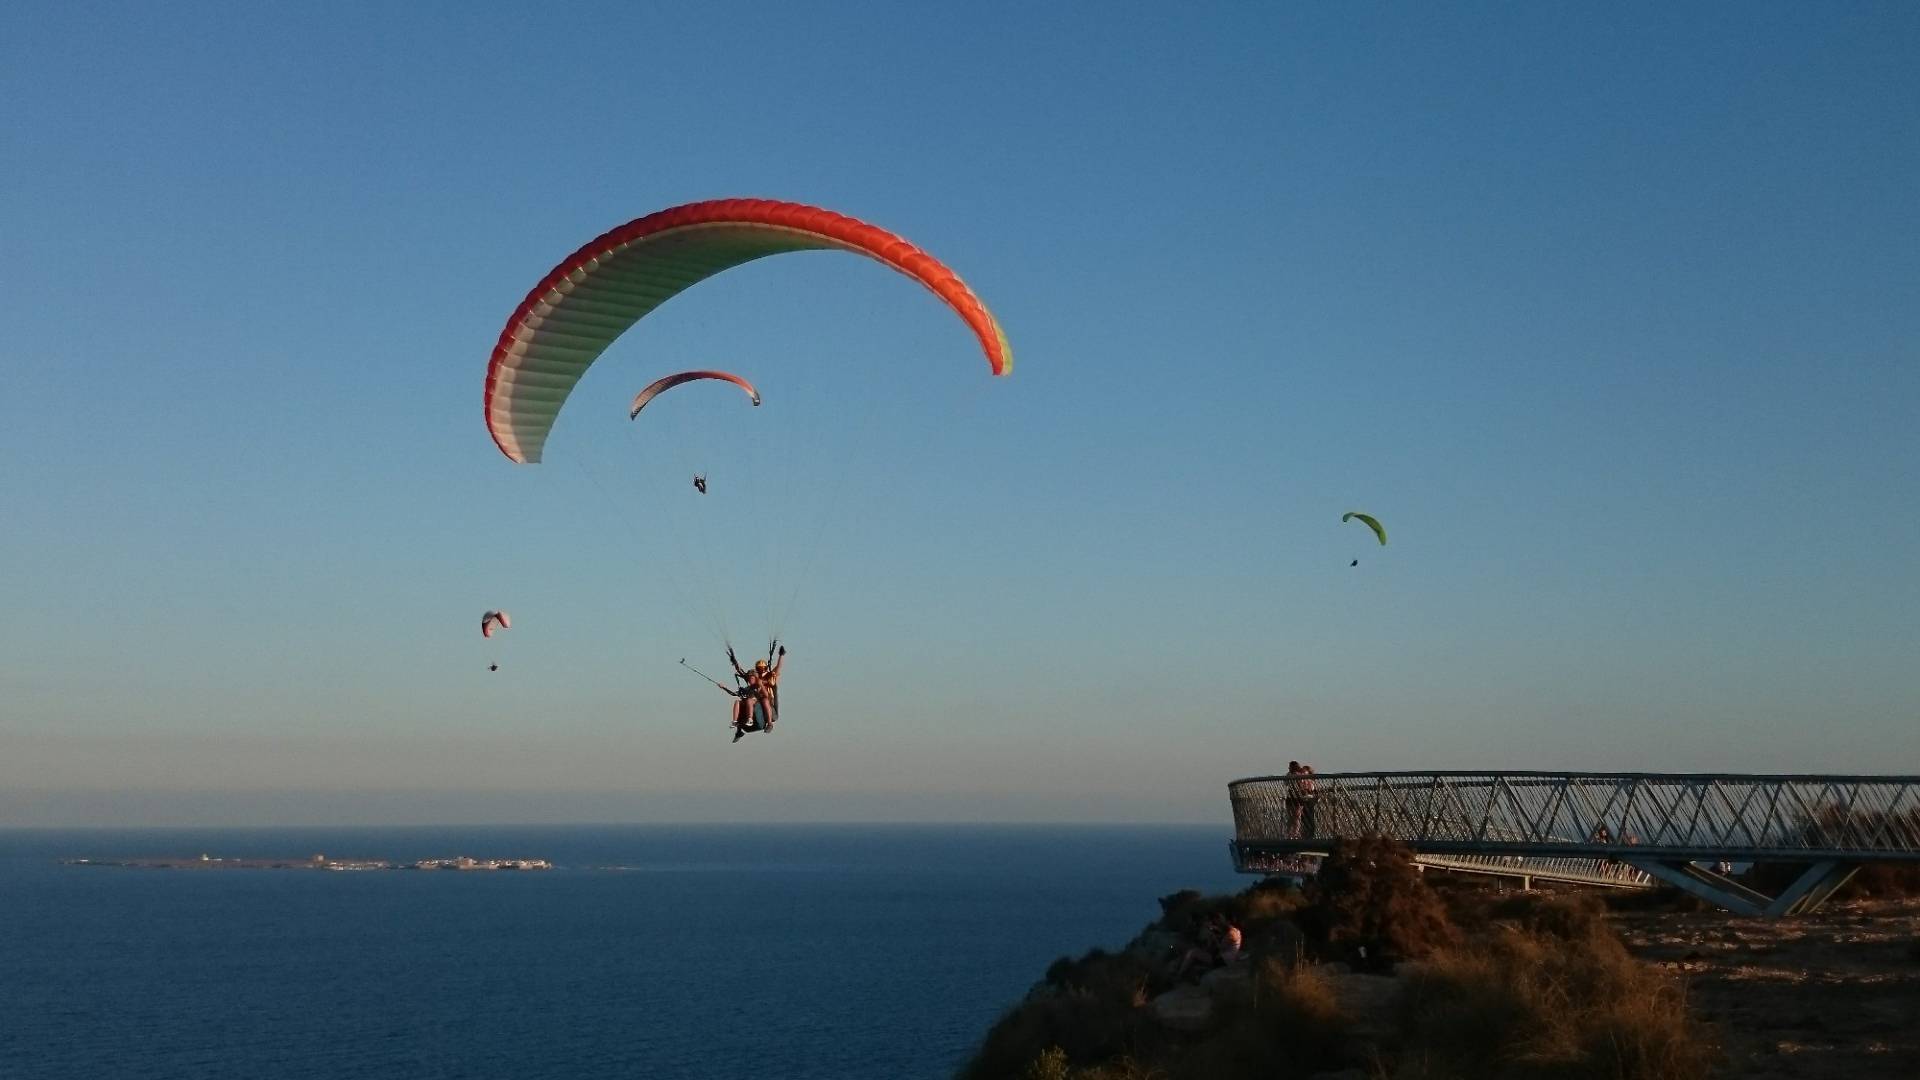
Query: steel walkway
{"type": "Point", "coordinates": [1624, 830]}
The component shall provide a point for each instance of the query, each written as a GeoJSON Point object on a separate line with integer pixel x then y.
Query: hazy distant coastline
{"type": "Point", "coordinates": [314, 862]}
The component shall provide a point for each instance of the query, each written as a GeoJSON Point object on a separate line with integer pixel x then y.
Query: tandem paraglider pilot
{"type": "Point", "coordinates": [757, 699]}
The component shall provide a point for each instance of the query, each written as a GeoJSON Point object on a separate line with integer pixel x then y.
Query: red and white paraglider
{"type": "Point", "coordinates": [492, 623]}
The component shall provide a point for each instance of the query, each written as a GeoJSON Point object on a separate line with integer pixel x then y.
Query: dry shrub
{"type": "Point", "coordinates": [1122, 1068]}
{"type": "Point", "coordinates": [1561, 998]}
{"type": "Point", "coordinates": [1264, 902]}
{"type": "Point", "coordinates": [1299, 1005]}
{"type": "Point", "coordinates": [1116, 977]}
{"type": "Point", "coordinates": [1543, 988]}
{"type": "Point", "coordinates": [1291, 1027]}
{"type": "Point", "coordinates": [1663, 898]}
{"type": "Point", "coordinates": [1641, 1039]}
{"type": "Point", "coordinates": [1267, 902]}
{"type": "Point", "coordinates": [1052, 1064]}
{"type": "Point", "coordinates": [1884, 881]}
{"type": "Point", "coordinates": [1567, 916]}
{"type": "Point", "coordinates": [1264, 913]}
{"type": "Point", "coordinates": [1368, 903]}
{"type": "Point", "coordinates": [1873, 881]}
{"type": "Point", "coordinates": [1280, 942]}
{"type": "Point", "coordinates": [1079, 1025]}
{"type": "Point", "coordinates": [1088, 1012]}
{"type": "Point", "coordinates": [1469, 887]}
{"type": "Point", "coordinates": [1180, 910]}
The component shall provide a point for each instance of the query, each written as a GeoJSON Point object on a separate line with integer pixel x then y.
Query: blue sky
{"type": "Point", "coordinates": [1609, 315]}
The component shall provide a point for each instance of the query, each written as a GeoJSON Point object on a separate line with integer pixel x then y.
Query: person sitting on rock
{"type": "Point", "coordinates": [1231, 940]}
{"type": "Point", "coordinates": [1220, 942]}
{"type": "Point", "coordinates": [1200, 955]}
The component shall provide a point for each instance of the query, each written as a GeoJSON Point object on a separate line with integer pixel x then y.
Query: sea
{"type": "Point", "coordinates": [839, 952]}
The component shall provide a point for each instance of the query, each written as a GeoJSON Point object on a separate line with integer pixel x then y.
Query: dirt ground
{"type": "Point", "coordinates": [1834, 995]}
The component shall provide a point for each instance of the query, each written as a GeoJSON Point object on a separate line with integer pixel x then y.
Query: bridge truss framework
{"type": "Point", "coordinates": [1623, 830]}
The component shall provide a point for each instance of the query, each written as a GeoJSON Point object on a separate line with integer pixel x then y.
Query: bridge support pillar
{"type": "Point", "coordinates": [1716, 889]}
{"type": "Point", "coordinates": [1810, 890]}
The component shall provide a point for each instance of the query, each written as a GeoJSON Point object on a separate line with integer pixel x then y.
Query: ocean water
{"type": "Point", "coordinates": [653, 951]}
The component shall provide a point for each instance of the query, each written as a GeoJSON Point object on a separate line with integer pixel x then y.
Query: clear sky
{"type": "Point", "coordinates": [1611, 313]}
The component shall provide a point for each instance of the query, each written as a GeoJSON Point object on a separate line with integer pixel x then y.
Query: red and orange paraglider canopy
{"type": "Point", "coordinates": [596, 293]}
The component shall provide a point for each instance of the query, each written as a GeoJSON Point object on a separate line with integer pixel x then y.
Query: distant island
{"type": "Point", "coordinates": [314, 862]}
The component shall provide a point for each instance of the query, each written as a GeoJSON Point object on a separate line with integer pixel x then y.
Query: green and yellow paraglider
{"type": "Point", "coordinates": [1371, 522]}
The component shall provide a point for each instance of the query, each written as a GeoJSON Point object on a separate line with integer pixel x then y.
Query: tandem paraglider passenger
{"type": "Point", "coordinates": [744, 703]}
{"type": "Point", "coordinates": [757, 700]}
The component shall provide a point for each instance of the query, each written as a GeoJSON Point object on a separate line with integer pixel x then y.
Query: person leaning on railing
{"type": "Point", "coordinates": [1309, 800]}
{"type": "Point", "coordinates": [1300, 799]}
{"type": "Point", "coordinates": [1296, 805]}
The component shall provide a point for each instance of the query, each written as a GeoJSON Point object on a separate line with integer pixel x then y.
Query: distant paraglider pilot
{"type": "Point", "coordinates": [699, 483]}
{"type": "Point", "coordinates": [1371, 522]}
{"type": "Point", "coordinates": [492, 623]}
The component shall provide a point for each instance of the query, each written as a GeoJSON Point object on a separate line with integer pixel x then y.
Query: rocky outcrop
{"type": "Point", "coordinates": [1233, 983]}
{"type": "Point", "coordinates": [1192, 1007]}
{"type": "Point", "coordinates": [1184, 1008]}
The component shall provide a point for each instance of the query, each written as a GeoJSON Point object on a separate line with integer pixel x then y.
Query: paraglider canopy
{"type": "Point", "coordinates": [595, 294]}
{"type": "Point", "coordinates": [661, 386]}
{"type": "Point", "coordinates": [495, 621]}
{"type": "Point", "coordinates": [1378, 530]}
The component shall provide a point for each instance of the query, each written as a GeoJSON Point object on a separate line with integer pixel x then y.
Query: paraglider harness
{"type": "Point", "coordinates": [700, 483]}
{"type": "Point", "coordinates": [766, 699]}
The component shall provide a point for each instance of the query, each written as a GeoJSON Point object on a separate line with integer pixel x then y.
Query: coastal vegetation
{"type": "Point", "coordinates": [1370, 972]}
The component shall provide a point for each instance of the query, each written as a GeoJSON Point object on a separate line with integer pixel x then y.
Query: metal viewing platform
{"type": "Point", "coordinates": [1621, 830]}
